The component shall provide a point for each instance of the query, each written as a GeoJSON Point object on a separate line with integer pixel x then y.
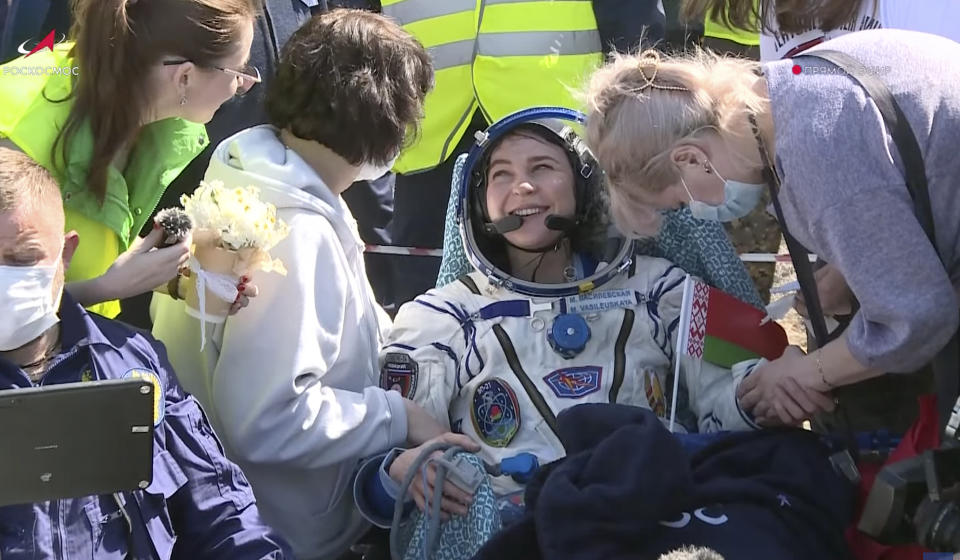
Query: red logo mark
{"type": "Point", "coordinates": [46, 43]}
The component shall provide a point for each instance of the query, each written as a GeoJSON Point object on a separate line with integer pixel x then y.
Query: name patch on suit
{"type": "Point", "coordinates": [575, 382]}
{"type": "Point", "coordinates": [495, 412]}
{"type": "Point", "coordinates": [399, 373]}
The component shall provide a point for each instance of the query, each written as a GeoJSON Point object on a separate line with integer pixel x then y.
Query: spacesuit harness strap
{"type": "Point", "coordinates": [591, 302]}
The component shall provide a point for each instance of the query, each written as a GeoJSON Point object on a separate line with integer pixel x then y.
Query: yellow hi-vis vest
{"type": "Point", "coordinates": [496, 55]}
{"type": "Point", "coordinates": [718, 30]}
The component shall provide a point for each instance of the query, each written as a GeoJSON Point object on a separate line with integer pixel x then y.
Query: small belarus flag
{"type": "Point", "coordinates": [719, 328]}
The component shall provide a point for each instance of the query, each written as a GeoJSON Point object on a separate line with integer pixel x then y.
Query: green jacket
{"type": "Point", "coordinates": [31, 120]}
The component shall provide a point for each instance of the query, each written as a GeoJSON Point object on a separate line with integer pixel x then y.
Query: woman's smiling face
{"type": "Point", "coordinates": [531, 178]}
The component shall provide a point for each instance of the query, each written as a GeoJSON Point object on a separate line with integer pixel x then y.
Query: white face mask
{"type": "Point", "coordinates": [371, 172]}
{"type": "Point", "coordinates": [27, 305]}
{"type": "Point", "coordinates": [739, 199]}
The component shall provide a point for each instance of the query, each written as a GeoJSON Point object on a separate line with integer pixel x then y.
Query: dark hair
{"type": "Point", "coordinates": [117, 43]}
{"type": "Point", "coordinates": [592, 211]}
{"type": "Point", "coordinates": [353, 81]}
{"type": "Point", "coordinates": [792, 16]}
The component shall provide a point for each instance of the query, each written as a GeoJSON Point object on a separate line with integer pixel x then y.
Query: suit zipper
{"type": "Point", "coordinates": [619, 354]}
{"type": "Point", "coordinates": [53, 364]}
{"type": "Point", "coordinates": [532, 393]}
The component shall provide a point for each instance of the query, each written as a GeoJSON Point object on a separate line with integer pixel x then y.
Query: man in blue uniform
{"type": "Point", "coordinates": [199, 504]}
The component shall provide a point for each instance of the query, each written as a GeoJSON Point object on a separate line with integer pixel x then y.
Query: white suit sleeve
{"type": "Point", "coordinates": [270, 385]}
{"type": "Point", "coordinates": [711, 389]}
{"type": "Point", "coordinates": [424, 350]}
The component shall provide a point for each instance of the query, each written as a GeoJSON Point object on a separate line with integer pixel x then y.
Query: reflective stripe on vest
{"type": "Point", "coordinates": [538, 43]}
{"type": "Point", "coordinates": [452, 54]}
{"type": "Point", "coordinates": [492, 2]}
{"type": "Point", "coordinates": [408, 11]}
{"type": "Point", "coordinates": [448, 30]}
{"type": "Point", "coordinates": [480, 56]}
{"type": "Point", "coordinates": [533, 53]}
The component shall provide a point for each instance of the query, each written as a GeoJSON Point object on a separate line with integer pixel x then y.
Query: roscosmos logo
{"type": "Point", "coordinates": [46, 43]}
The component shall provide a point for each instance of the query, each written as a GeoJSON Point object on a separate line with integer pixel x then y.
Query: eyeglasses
{"type": "Point", "coordinates": [247, 75]}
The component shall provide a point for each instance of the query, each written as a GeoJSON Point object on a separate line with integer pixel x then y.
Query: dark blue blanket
{"type": "Point", "coordinates": [629, 489]}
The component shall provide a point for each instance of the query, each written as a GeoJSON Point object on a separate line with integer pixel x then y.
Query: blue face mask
{"type": "Point", "coordinates": [739, 199]}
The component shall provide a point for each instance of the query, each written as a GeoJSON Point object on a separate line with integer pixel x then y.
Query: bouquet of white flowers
{"type": "Point", "coordinates": [233, 232]}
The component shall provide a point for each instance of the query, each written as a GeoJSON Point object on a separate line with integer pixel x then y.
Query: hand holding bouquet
{"type": "Point", "coordinates": [233, 233]}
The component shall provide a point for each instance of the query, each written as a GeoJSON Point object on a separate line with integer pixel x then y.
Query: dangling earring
{"type": "Point", "coordinates": [183, 100]}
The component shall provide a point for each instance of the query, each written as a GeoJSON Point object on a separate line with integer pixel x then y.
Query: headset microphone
{"type": "Point", "coordinates": [560, 223]}
{"type": "Point", "coordinates": [504, 225]}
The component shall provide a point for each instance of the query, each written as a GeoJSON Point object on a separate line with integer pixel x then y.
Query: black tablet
{"type": "Point", "coordinates": [75, 439]}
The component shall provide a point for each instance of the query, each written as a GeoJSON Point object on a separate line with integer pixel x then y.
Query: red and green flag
{"type": "Point", "coordinates": [719, 328]}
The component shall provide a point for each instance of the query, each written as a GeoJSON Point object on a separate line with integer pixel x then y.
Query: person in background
{"type": "Point", "coordinates": [291, 382]}
{"type": "Point", "coordinates": [122, 117]}
{"type": "Point", "coordinates": [789, 27]}
{"type": "Point", "coordinates": [522, 54]}
{"type": "Point", "coordinates": [199, 504]}
{"type": "Point", "coordinates": [724, 39]}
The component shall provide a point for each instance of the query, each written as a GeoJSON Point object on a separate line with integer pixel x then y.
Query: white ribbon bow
{"type": "Point", "coordinates": [221, 285]}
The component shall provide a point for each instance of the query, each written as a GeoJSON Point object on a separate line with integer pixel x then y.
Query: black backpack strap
{"type": "Point", "coordinates": [945, 363]}
{"type": "Point", "coordinates": [798, 253]}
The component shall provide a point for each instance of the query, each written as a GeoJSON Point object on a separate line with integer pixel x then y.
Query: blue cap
{"type": "Point", "coordinates": [569, 335]}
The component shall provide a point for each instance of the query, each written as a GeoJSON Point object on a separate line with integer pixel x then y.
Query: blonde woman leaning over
{"type": "Point", "coordinates": [677, 131]}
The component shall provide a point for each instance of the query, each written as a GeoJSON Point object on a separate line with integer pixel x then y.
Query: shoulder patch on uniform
{"type": "Point", "coordinates": [399, 373]}
{"type": "Point", "coordinates": [159, 400]}
{"type": "Point", "coordinates": [495, 412]}
{"type": "Point", "coordinates": [654, 390]}
{"type": "Point", "coordinates": [574, 382]}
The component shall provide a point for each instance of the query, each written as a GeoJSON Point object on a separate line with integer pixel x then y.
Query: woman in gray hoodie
{"type": "Point", "coordinates": [291, 383]}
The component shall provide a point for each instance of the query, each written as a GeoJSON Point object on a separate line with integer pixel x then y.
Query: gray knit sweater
{"type": "Point", "coordinates": [844, 194]}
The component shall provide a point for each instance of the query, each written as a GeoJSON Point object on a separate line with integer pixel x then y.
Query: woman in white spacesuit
{"type": "Point", "coordinates": [558, 312]}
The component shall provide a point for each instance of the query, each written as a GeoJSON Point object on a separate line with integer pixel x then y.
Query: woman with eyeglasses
{"type": "Point", "coordinates": [116, 113]}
